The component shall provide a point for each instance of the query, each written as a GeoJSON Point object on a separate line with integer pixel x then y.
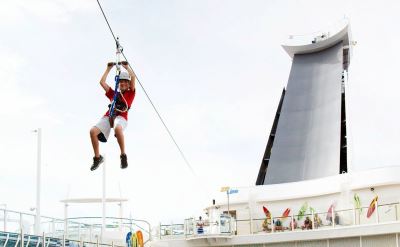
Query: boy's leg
{"type": "Point", "coordinates": [94, 131]}
{"type": "Point", "coordinates": [100, 130]}
{"type": "Point", "coordinates": [120, 125]}
{"type": "Point", "coordinates": [119, 133]}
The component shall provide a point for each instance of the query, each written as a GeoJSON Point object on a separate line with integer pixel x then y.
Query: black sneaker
{"type": "Point", "coordinates": [96, 162]}
{"type": "Point", "coordinates": [124, 161]}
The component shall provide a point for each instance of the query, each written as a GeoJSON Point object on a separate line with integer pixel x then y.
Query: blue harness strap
{"type": "Point", "coordinates": [112, 108]}
{"type": "Point", "coordinates": [118, 65]}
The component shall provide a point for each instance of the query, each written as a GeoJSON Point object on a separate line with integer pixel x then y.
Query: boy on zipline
{"type": "Point", "coordinates": [118, 121]}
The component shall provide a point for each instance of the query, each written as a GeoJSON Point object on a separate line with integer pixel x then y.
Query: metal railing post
{"type": "Point", "coordinates": [97, 240]}
{"type": "Point", "coordinates": [272, 225]}
{"type": "Point", "coordinates": [377, 212]}
{"type": "Point", "coordinates": [79, 230]}
{"type": "Point", "coordinates": [43, 240]}
{"type": "Point", "coordinates": [22, 237]}
{"type": "Point", "coordinates": [53, 227]}
{"type": "Point", "coordinates": [5, 220]}
{"type": "Point", "coordinates": [90, 232]}
{"type": "Point", "coordinates": [251, 224]}
{"type": "Point", "coordinates": [63, 240]}
{"type": "Point", "coordinates": [66, 227]}
{"type": "Point", "coordinates": [312, 220]}
{"type": "Point", "coordinates": [292, 222]}
{"type": "Point", "coordinates": [354, 216]}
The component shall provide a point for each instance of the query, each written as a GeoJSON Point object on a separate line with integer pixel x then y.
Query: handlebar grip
{"type": "Point", "coordinates": [119, 63]}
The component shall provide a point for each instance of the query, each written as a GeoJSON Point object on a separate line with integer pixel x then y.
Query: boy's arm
{"type": "Point", "coordinates": [131, 74]}
{"type": "Point", "coordinates": [103, 79]}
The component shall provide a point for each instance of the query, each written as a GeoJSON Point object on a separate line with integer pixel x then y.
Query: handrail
{"type": "Point", "coordinates": [74, 226]}
{"type": "Point", "coordinates": [335, 219]}
{"type": "Point", "coordinates": [35, 238]}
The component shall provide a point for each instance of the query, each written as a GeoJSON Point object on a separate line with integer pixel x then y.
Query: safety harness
{"type": "Point", "coordinates": [118, 104]}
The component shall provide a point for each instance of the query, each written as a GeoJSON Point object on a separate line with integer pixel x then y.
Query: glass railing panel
{"type": "Point", "coordinates": [226, 224]}
{"type": "Point", "coordinates": [189, 227]}
{"type": "Point", "coordinates": [282, 224]}
{"type": "Point", "coordinates": [304, 222]}
{"type": "Point", "coordinates": [3, 220]}
{"type": "Point", "coordinates": [165, 230]}
{"type": "Point", "coordinates": [362, 216]}
{"type": "Point", "coordinates": [258, 225]}
{"type": "Point", "coordinates": [388, 213]}
{"type": "Point", "coordinates": [14, 222]}
{"type": "Point", "coordinates": [203, 227]}
{"type": "Point", "coordinates": [177, 229]}
{"type": "Point", "coordinates": [344, 217]}
{"type": "Point", "coordinates": [322, 220]}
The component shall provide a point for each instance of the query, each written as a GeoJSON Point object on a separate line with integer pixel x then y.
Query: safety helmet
{"type": "Point", "coordinates": [124, 76]}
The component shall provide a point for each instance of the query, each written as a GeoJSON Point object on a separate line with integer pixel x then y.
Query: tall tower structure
{"type": "Point", "coordinates": [308, 136]}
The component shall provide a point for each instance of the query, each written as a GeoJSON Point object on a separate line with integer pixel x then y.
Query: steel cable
{"type": "Point", "coordinates": [148, 97]}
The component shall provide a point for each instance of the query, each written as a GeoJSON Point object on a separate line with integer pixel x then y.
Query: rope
{"type": "Point", "coordinates": [148, 97]}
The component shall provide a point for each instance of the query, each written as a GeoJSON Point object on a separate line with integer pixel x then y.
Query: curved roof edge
{"type": "Point", "coordinates": [318, 41]}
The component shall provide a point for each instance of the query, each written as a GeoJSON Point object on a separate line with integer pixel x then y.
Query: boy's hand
{"type": "Point", "coordinates": [125, 64]}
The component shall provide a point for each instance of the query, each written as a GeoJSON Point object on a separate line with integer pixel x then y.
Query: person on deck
{"type": "Point", "coordinates": [119, 121]}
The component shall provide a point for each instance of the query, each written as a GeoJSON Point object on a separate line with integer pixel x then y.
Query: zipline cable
{"type": "Point", "coordinates": [148, 97]}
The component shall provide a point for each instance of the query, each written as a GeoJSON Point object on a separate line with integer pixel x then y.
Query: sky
{"type": "Point", "coordinates": [214, 69]}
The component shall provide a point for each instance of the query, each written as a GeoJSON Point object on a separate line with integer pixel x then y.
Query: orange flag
{"type": "Point", "coordinates": [266, 212]}
{"type": "Point", "coordinates": [286, 212]}
{"type": "Point", "coordinates": [372, 206]}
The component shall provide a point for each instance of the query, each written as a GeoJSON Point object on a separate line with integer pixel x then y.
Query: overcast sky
{"type": "Point", "coordinates": [214, 69]}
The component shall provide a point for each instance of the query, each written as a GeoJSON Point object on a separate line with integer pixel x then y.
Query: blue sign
{"type": "Point", "coordinates": [233, 191]}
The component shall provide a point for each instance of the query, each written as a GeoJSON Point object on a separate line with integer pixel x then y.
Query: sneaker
{"type": "Point", "coordinates": [124, 161]}
{"type": "Point", "coordinates": [96, 162]}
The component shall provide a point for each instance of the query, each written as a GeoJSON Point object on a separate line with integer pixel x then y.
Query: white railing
{"type": "Point", "coordinates": [314, 37]}
{"type": "Point", "coordinates": [87, 229]}
{"type": "Point", "coordinates": [307, 222]}
{"type": "Point", "coordinates": [22, 240]}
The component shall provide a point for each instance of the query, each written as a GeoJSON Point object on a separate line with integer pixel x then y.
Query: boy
{"type": "Point", "coordinates": [101, 130]}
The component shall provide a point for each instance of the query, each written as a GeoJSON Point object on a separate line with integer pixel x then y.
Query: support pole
{"type": "Point", "coordinates": [38, 180]}
{"type": "Point", "coordinates": [66, 219]}
{"type": "Point", "coordinates": [103, 200]}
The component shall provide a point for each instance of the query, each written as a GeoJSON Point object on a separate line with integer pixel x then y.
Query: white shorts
{"type": "Point", "coordinates": [104, 125]}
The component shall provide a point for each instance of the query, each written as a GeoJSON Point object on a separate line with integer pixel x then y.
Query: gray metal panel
{"type": "Point", "coordinates": [307, 141]}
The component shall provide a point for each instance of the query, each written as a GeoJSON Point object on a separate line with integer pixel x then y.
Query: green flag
{"type": "Point", "coordinates": [302, 211]}
{"type": "Point", "coordinates": [357, 202]}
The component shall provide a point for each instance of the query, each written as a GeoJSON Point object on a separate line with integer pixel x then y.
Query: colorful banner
{"type": "Point", "coordinates": [286, 213]}
{"type": "Point", "coordinates": [267, 212]}
{"type": "Point", "coordinates": [302, 211]}
{"type": "Point", "coordinates": [372, 206]}
{"type": "Point", "coordinates": [357, 203]}
{"type": "Point", "coordinates": [330, 211]}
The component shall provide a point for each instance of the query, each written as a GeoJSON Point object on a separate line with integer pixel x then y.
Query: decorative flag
{"type": "Point", "coordinates": [139, 238]}
{"type": "Point", "coordinates": [225, 189]}
{"type": "Point", "coordinates": [372, 206]}
{"type": "Point", "coordinates": [302, 211]}
{"type": "Point", "coordinates": [286, 213]}
{"type": "Point", "coordinates": [330, 211]}
{"type": "Point", "coordinates": [267, 212]}
{"type": "Point", "coordinates": [128, 239]}
{"type": "Point", "coordinates": [357, 203]}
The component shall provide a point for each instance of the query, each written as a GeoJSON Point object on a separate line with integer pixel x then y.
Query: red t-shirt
{"type": "Point", "coordinates": [129, 95]}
